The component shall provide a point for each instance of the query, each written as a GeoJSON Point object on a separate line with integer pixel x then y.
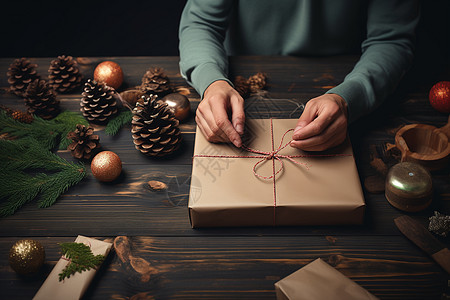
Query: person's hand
{"type": "Point", "coordinates": [322, 125]}
{"type": "Point", "coordinates": [219, 102]}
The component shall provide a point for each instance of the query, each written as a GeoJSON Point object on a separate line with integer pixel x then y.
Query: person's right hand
{"type": "Point", "coordinates": [219, 102]}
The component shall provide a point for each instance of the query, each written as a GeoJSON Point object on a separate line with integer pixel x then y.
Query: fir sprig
{"type": "Point", "coordinates": [114, 125]}
{"type": "Point", "coordinates": [80, 259]}
{"type": "Point", "coordinates": [50, 133]}
{"type": "Point", "coordinates": [28, 170]}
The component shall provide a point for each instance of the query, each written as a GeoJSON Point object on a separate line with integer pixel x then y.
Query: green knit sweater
{"type": "Point", "coordinates": [382, 31]}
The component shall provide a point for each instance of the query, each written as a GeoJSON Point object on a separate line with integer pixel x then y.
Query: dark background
{"type": "Point", "coordinates": [150, 28]}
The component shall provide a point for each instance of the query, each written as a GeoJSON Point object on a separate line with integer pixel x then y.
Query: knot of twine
{"type": "Point", "coordinates": [271, 155]}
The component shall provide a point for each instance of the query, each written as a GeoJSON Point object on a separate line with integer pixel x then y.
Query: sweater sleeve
{"type": "Point", "coordinates": [387, 53]}
{"type": "Point", "coordinates": [203, 26]}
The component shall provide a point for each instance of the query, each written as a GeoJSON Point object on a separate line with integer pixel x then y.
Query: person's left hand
{"type": "Point", "coordinates": [322, 125]}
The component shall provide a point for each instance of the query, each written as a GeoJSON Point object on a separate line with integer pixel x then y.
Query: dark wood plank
{"type": "Point", "coordinates": [242, 267]}
{"type": "Point", "coordinates": [129, 207]}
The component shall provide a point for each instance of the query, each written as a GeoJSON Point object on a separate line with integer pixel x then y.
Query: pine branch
{"type": "Point", "coordinates": [38, 130]}
{"type": "Point", "coordinates": [28, 171]}
{"type": "Point", "coordinates": [49, 133]}
{"type": "Point", "coordinates": [114, 125]}
{"type": "Point", "coordinates": [67, 121]}
{"type": "Point", "coordinates": [81, 259]}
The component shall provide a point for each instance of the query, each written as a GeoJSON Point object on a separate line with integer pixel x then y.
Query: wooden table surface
{"type": "Point", "coordinates": [226, 263]}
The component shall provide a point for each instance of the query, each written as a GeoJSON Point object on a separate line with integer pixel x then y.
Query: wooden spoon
{"type": "Point", "coordinates": [425, 144]}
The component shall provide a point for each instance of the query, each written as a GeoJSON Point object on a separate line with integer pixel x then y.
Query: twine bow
{"type": "Point", "coordinates": [274, 154]}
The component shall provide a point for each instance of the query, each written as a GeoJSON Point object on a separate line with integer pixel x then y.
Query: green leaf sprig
{"type": "Point", "coordinates": [80, 258]}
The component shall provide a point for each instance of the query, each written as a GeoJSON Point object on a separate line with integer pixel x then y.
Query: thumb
{"type": "Point", "coordinates": [307, 117]}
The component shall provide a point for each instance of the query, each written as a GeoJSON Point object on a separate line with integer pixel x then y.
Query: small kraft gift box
{"type": "Point", "coordinates": [318, 280]}
{"type": "Point", "coordinates": [269, 183]}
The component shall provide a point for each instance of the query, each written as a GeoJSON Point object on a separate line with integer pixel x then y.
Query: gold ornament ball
{"type": "Point", "coordinates": [26, 256]}
{"type": "Point", "coordinates": [110, 73]}
{"type": "Point", "coordinates": [178, 104]}
{"type": "Point", "coordinates": [106, 166]}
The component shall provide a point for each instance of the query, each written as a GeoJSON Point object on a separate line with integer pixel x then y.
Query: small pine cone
{"type": "Point", "coordinates": [41, 100]}
{"type": "Point", "coordinates": [439, 224]}
{"type": "Point", "coordinates": [20, 74]}
{"type": "Point", "coordinates": [98, 103]}
{"type": "Point", "coordinates": [154, 128]}
{"type": "Point", "coordinates": [18, 115]}
{"type": "Point", "coordinates": [156, 82]}
{"type": "Point", "coordinates": [241, 85]}
{"type": "Point", "coordinates": [257, 82]}
{"type": "Point", "coordinates": [84, 142]}
{"type": "Point", "coordinates": [64, 74]}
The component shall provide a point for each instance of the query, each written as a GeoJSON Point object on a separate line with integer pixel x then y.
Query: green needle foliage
{"type": "Point", "coordinates": [81, 259]}
{"type": "Point", "coordinates": [114, 125]}
{"type": "Point", "coordinates": [28, 170]}
{"type": "Point", "coordinates": [50, 133]}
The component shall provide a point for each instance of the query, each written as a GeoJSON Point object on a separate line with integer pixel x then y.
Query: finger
{"type": "Point", "coordinates": [332, 136]}
{"type": "Point", "coordinates": [223, 124]}
{"type": "Point", "coordinates": [207, 132]}
{"type": "Point", "coordinates": [308, 115]}
{"type": "Point", "coordinates": [238, 115]}
{"type": "Point", "coordinates": [315, 127]}
{"type": "Point", "coordinates": [205, 119]}
{"type": "Point", "coordinates": [317, 144]}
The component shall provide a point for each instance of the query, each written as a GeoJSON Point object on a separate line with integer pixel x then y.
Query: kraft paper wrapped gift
{"type": "Point", "coordinates": [74, 286]}
{"type": "Point", "coordinates": [236, 187]}
{"type": "Point", "coordinates": [318, 280]}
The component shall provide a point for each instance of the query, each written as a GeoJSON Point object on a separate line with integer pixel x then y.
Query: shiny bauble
{"type": "Point", "coordinates": [409, 187]}
{"type": "Point", "coordinates": [178, 104]}
{"type": "Point", "coordinates": [26, 257]}
{"type": "Point", "coordinates": [440, 96]}
{"type": "Point", "coordinates": [110, 73]}
{"type": "Point", "coordinates": [106, 166]}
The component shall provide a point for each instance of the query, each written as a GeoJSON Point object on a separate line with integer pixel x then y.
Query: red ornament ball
{"type": "Point", "coordinates": [106, 166]}
{"type": "Point", "coordinates": [110, 73]}
{"type": "Point", "coordinates": [440, 96]}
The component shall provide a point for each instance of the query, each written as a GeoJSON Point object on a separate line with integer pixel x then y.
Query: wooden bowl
{"type": "Point", "coordinates": [425, 145]}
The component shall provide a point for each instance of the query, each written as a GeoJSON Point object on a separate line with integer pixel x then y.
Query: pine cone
{"type": "Point", "coordinates": [98, 103]}
{"type": "Point", "coordinates": [154, 128]}
{"type": "Point", "coordinates": [155, 81]}
{"type": "Point", "coordinates": [20, 74]}
{"type": "Point", "coordinates": [18, 115]}
{"type": "Point", "coordinates": [41, 100]}
{"type": "Point", "coordinates": [84, 142]}
{"type": "Point", "coordinates": [241, 85]}
{"type": "Point", "coordinates": [257, 82]}
{"type": "Point", "coordinates": [64, 74]}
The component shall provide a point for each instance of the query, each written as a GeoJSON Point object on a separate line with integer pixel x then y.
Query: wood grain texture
{"type": "Point", "coordinates": [245, 268]}
{"type": "Point", "coordinates": [177, 262]}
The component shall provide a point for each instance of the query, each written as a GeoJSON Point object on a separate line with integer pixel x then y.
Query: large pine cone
{"type": "Point", "coordinates": [156, 82]}
{"type": "Point", "coordinates": [20, 74]}
{"type": "Point", "coordinates": [64, 74]}
{"type": "Point", "coordinates": [154, 128]}
{"type": "Point", "coordinates": [98, 103]}
{"type": "Point", "coordinates": [41, 100]}
{"type": "Point", "coordinates": [84, 142]}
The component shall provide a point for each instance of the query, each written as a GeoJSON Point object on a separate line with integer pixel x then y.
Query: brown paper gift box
{"type": "Point", "coordinates": [226, 192]}
{"type": "Point", "coordinates": [318, 280]}
{"type": "Point", "coordinates": [76, 285]}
